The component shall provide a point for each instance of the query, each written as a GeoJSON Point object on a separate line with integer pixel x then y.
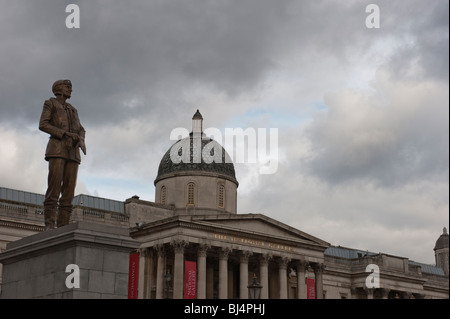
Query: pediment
{"type": "Point", "coordinates": [260, 225]}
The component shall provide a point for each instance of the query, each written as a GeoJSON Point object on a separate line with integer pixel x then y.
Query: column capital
{"type": "Point", "coordinates": [224, 252]}
{"type": "Point", "coordinates": [264, 259]}
{"type": "Point", "coordinates": [318, 267]}
{"type": "Point", "coordinates": [283, 261]}
{"type": "Point", "coordinates": [202, 250]}
{"type": "Point", "coordinates": [145, 252]}
{"type": "Point", "coordinates": [178, 245]}
{"type": "Point", "coordinates": [301, 265]}
{"type": "Point", "coordinates": [245, 254]}
{"type": "Point", "coordinates": [160, 250]}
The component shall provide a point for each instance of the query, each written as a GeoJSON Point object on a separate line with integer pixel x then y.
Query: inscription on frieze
{"type": "Point", "coordinates": [253, 242]}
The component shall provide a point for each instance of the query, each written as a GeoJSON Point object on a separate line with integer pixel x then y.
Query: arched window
{"type": "Point", "coordinates": [190, 194]}
{"type": "Point", "coordinates": [163, 195]}
{"type": "Point", "coordinates": [221, 194]}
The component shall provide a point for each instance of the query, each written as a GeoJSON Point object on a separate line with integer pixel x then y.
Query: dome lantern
{"type": "Point", "coordinates": [197, 124]}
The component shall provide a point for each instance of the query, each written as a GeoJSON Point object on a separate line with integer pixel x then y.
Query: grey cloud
{"type": "Point", "coordinates": [358, 211]}
{"type": "Point", "coordinates": [402, 141]}
{"type": "Point", "coordinates": [149, 50]}
{"type": "Point", "coordinates": [426, 40]}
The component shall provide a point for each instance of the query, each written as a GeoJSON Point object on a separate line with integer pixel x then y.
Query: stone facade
{"type": "Point", "coordinates": [399, 277]}
{"type": "Point", "coordinates": [281, 256]}
{"type": "Point", "coordinates": [231, 249]}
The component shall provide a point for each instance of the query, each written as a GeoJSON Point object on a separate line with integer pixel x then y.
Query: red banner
{"type": "Point", "coordinates": [133, 276]}
{"type": "Point", "coordinates": [190, 280]}
{"type": "Point", "coordinates": [310, 289]}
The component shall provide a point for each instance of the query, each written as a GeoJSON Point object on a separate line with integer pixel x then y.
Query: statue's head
{"type": "Point", "coordinates": [62, 87]}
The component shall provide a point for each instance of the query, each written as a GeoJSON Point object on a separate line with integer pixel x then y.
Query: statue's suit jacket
{"type": "Point", "coordinates": [56, 119]}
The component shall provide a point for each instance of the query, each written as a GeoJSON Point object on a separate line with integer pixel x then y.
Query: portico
{"type": "Point", "coordinates": [228, 250]}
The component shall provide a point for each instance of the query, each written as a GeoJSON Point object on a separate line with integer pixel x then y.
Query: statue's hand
{"type": "Point", "coordinates": [82, 146]}
{"type": "Point", "coordinates": [74, 136]}
{"type": "Point", "coordinates": [77, 141]}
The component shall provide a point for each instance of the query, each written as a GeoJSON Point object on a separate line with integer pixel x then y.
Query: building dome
{"type": "Point", "coordinates": [201, 161]}
{"type": "Point", "coordinates": [196, 175]}
{"type": "Point", "coordinates": [442, 241]}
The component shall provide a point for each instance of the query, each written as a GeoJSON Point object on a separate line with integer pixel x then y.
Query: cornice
{"type": "Point", "coordinates": [20, 225]}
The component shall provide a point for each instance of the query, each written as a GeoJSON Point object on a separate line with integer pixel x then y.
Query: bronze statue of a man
{"type": "Point", "coordinates": [60, 120]}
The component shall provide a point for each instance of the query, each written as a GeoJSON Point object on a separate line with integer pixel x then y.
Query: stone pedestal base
{"type": "Point", "coordinates": [35, 266]}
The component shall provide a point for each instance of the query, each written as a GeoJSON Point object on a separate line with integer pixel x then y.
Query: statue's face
{"type": "Point", "coordinates": [66, 90]}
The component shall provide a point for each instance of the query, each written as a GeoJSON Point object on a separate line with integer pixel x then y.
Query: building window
{"type": "Point", "coordinates": [163, 195]}
{"type": "Point", "coordinates": [221, 193]}
{"type": "Point", "coordinates": [190, 194]}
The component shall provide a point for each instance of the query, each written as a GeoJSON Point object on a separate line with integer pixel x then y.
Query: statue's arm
{"type": "Point", "coordinates": [81, 144]}
{"type": "Point", "coordinates": [45, 123]}
{"type": "Point", "coordinates": [81, 134]}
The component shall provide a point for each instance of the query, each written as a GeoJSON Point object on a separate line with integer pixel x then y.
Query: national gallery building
{"type": "Point", "coordinates": [194, 244]}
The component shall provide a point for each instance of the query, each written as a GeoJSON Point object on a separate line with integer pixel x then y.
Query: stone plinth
{"type": "Point", "coordinates": [35, 266]}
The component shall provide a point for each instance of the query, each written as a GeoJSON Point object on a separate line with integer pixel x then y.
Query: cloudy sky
{"type": "Point", "coordinates": [362, 113]}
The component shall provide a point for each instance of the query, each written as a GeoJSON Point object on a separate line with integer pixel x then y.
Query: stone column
{"type": "Point", "coordinates": [264, 274]}
{"type": "Point", "coordinates": [230, 287]}
{"type": "Point", "coordinates": [178, 268]}
{"type": "Point", "coordinates": [318, 272]}
{"type": "Point", "coordinates": [145, 275]}
{"type": "Point", "coordinates": [243, 274]}
{"type": "Point", "coordinates": [223, 273]}
{"type": "Point", "coordinates": [201, 271]}
{"type": "Point", "coordinates": [302, 265]}
{"type": "Point", "coordinates": [282, 274]}
{"type": "Point", "coordinates": [160, 271]}
{"type": "Point", "coordinates": [209, 280]}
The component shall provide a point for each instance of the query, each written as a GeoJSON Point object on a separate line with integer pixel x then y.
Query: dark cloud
{"type": "Point", "coordinates": [151, 50]}
{"type": "Point", "coordinates": [157, 50]}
